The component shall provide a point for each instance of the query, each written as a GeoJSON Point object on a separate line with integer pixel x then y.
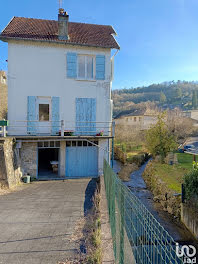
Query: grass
{"type": "Point", "coordinates": [185, 160]}
{"type": "Point", "coordinates": [171, 175]}
{"type": "Point", "coordinates": [131, 150]}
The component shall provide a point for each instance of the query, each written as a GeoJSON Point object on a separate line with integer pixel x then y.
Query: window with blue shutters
{"type": "Point", "coordinates": [85, 67]}
{"type": "Point", "coordinates": [85, 116]}
{"type": "Point", "coordinates": [100, 67]}
{"type": "Point", "coordinates": [71, 65]}
{"type": "Point", "coordinates": [31, 115]}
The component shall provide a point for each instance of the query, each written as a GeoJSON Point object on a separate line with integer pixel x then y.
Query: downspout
{"type": "Point", "coordinates": [113, 125]}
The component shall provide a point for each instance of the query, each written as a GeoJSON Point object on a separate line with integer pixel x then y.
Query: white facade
{"type": "Point", "coordinates": [40, 69]}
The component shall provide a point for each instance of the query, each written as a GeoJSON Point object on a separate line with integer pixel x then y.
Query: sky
{"type": "Point", "coordinates": [158, 38]}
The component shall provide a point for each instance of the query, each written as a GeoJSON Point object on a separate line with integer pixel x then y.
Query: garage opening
{"type": "Point", "coordinates": [48, 161]}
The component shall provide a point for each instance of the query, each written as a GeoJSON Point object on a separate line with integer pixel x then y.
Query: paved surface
{"type": "Point", "coordinates": [36, 222]}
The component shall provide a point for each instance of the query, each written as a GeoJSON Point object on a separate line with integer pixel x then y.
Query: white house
{"type": "Point", "coordinates": [59, 95]}
{"type": "Point", "coordinates": [137, 119]}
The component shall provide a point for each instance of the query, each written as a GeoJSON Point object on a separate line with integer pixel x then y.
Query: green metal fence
{"type": "Point", "coordinates": [137, 236]}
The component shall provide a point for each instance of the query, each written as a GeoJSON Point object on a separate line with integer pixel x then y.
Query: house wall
{"type": "Point", "coordinates": [29, 157]}
{"type": "Point", "coordinates": [3, 96]}
{"type": "Point", "coordinates": [149, 121]}
{"type": "Point", "coordinates": [39, 69]}
{"type": "Point", "coordinates": [192, 114]}
{"type": "Point", "coordinates": [137, 122]}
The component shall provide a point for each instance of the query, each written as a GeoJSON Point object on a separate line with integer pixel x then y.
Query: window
{"type": "Point", "coordinates": [85, 67]}
{"type": "Point", "coordinates": [43, 112]}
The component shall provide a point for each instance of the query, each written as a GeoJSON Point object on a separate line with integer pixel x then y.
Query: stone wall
{"type": "Point", "coordinates": [10, 169]}
{"type": "Point", "coordinates": [120, 155]}
{"type": "Point", "coordinates": [3, 173]}
{"type": "Point", "coordinates": [162, 194]}
{"type": "Point", "coordinates": [28, 153]}
{"type": "Point", "coordinates": [189, 218]}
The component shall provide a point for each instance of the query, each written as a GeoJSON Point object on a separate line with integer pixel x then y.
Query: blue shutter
{"type": "Point", "coordinates": [85, 116]}
{"type": "Point", "coordinates": [71, 65]}
{"type": "Point", "coordinates": [31, 115]}
{"type": "Point", "coordinates": [100, 67]}
{"type": "Point", "coordinates": [55, 115]}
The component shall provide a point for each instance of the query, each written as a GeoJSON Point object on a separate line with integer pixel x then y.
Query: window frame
{"type": "Point", "coordinates": [94, 67]}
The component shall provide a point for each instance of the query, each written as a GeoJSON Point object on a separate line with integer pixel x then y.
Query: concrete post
{"type": "Point", "coordinates": [4, 131]}
{"type": "Point", "coordinates": [62, 156]}
{"type": "Point", "coordinates": [62, 128]}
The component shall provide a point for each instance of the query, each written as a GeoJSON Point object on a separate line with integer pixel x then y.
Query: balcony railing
{"type": "Point", "coordinates": [57, 128]}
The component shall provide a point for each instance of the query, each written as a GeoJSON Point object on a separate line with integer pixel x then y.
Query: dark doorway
{"type": "Point", "coordinates": [48, 162]}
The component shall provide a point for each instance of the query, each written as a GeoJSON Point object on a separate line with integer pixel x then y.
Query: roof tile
{"type": "Point", "coordinates": [47, 30]}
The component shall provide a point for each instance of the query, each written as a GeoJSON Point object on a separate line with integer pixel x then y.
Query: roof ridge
{"type": "Point", "coordinates": [102, 25]}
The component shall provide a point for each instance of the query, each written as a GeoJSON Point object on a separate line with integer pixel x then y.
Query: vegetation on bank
{"type": "Point", "coordinates": [172, 175]}
{"type": "Point", "coordinates": [159, 139]}
{"type": "Point", "coordinates": [191, 186]}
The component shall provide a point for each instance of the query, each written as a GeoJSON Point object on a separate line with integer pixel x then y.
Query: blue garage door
{"type": "Point", "coordinates": [81, 161]}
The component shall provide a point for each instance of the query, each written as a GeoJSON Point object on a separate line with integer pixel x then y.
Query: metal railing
{"type": "Point", "coordinates": [137, 236]}
{"type": "Point", "coordinates": [58, 128]}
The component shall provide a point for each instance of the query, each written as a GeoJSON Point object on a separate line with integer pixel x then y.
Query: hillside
{"type": "Point", "coordinates": [166, 95]}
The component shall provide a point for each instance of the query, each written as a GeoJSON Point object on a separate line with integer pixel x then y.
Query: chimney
{"type": "Point", "coordinates": [63, 19]}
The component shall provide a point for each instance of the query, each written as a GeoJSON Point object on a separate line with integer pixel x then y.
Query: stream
{"type": "Point", "coordinates": [138, 187]}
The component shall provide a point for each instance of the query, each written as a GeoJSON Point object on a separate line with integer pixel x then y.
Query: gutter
{"type": "Point", "coordinates": [6, 39]}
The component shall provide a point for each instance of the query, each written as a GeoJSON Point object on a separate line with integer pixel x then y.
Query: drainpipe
{"type": "Point", "coordinates": [113, 123]}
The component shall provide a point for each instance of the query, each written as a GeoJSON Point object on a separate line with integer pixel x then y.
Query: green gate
{"type": "Point", "coordinates": [137, 236]}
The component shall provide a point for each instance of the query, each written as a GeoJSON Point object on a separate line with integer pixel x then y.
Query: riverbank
{"type": "Point", "coordinates": [176, 229]}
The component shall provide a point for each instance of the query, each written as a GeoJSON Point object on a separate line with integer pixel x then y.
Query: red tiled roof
{"type": "Point", "coordinates": [47, 30]}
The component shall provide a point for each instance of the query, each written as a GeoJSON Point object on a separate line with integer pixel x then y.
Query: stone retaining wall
{"type": "Point", "coordinates": [28, 153]}
{"type": "Point", "coordinates": [120, 155]}
{"type": "Point", "coordinates": [162, 194]}
{"type": "Point", "coordinates": [10, 167]}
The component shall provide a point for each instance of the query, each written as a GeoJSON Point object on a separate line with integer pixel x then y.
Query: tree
{"type": "Point", "coordinates": [159, 141]}
{"type": "Point", "coordinates": [178, 124]}
{"type": "Point", "coordinates": [194, 99]}
{"type": "Point", "coordinates": [162, 98]}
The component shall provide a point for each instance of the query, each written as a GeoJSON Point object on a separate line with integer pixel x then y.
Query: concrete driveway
{"type": "Point", "coordinates": [36, 223]}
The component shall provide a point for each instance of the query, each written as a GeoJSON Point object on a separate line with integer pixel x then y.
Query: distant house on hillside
{"type": "Point", "coordinates": [193, 114]}
{"type": "Point", "coordinates": [3, 95]}
{"type": "Point", "coordinates": [138, 118]}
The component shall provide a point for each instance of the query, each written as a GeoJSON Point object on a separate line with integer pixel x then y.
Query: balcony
{"type": "Point", "coordinates": [60, 128]}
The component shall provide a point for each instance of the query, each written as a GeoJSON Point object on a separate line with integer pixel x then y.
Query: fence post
{"type": "Point", "coordinates": [122, 218]}
{"type": "Point", "coordinates": [112, 153]}
{"type": "Point", "coordinates": [62, 128]}
{"type": "Point", "coordinates": [183, 193]}
{"type": "Point", "coordinates": [113, 129]}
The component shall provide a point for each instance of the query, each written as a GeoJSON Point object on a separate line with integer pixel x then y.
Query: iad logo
{"type": "Point", "coordinates": [187, 252]}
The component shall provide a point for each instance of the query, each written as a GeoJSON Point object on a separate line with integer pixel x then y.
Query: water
{"type": "Point", "coordinates": [138, 186]}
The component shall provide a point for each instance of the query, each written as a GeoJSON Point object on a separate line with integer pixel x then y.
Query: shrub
{"type": "Point", "coordinates": [191, 185]}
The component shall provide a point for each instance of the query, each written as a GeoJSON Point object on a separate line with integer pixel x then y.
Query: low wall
{"type": "Point", "coordinates": [162, 194]}
{"type": "Point", "coordinates": [10, 167]}
{"type": "Point", "coordinates": [120, 155]}
{"type": "Point", "coordinates": [189, 218]}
